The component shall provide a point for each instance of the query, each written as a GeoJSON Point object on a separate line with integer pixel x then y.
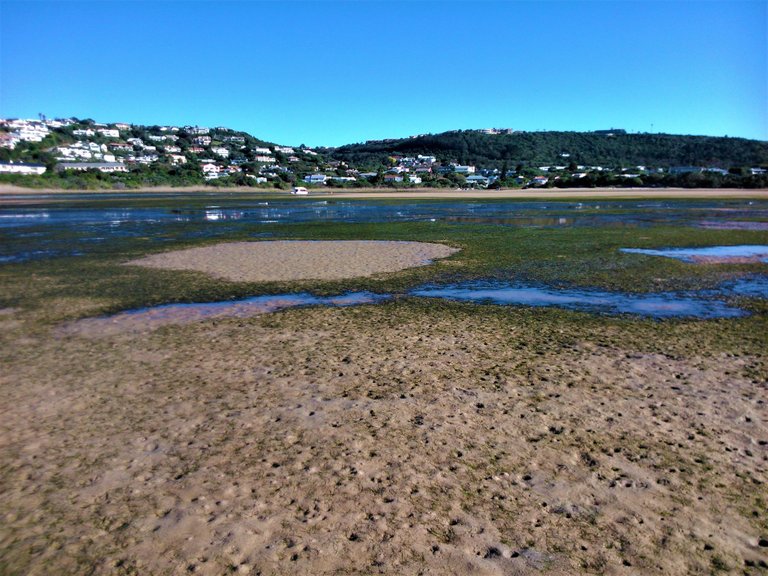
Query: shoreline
{"type": "Point", "coordinates": [421, 193]}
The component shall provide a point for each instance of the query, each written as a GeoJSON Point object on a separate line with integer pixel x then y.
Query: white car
{"type": "Point", "coordinates": [300, 190]}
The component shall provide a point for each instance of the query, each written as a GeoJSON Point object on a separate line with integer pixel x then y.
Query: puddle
{"type": "Point", "coordinates": [751, 287]}
{"type": "Point", "coordinates": [710, 254]}
{"type": "Point", "coordinates": [150, 318]}
{"type": "Point", "coordinates": [663, 305]}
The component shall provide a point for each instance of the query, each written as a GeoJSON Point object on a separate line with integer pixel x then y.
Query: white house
{"type": "Point", "coordinates": [220, 151]}
{"type": "Point", "coordinates": [464, 169]}
{"type": "Point", "coordinates": [478, 180]}
{"type": "Point", "coordinates": [315, 178]}
{"type": "Point", "coordinates": [107, 167]}
{"type": "Point", "coordinates": [26, 169]}
{"type": "Point", "coordinates": [9, 141]}
{"type": "Point", "coordinates": [109, 133]}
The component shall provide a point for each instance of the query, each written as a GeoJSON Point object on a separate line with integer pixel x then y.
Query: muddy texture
{"type": "Point", "coordinates": [401, 438]}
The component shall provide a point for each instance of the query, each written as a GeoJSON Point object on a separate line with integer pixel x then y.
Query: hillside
{"type": "Point", "coordinates": [608, 149]}
{"type": "Point", "coordinates": [74, 153]}
{"type": "Point", "coordinates": [83, 154]}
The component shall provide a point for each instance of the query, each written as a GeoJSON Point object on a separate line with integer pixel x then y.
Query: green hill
{"type": "Point", "coordinates": [614, 149]}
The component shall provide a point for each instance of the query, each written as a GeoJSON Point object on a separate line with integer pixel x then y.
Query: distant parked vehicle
{"type": "Point", "coordinates": [300, 190]}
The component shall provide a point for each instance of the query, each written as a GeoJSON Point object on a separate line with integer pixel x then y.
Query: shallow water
{"type": "Point", "coordinates": [703, 305]}
{"type": "Point", "coordinates": [708, 253]}
{"type": "Point", "coordinates": [35, 232]}
{"type": "Point", "coordinates": [661, 305]}
{"type": "Point", "coordinates": [147, 318]}
{"type": "Point", "coordinates": [751, 287]}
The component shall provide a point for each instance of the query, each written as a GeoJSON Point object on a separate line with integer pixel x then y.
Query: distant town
{"type": "Point", "coordinates": [74, 153]}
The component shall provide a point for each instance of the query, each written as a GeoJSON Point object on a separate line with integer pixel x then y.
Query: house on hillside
{"type": "Point", "coordinates": [106, 167]}
{"type": "Point", "coordinates": [315, 178]}
{"type": "Point", "coordinates": [478, 181]}
{"type": "Point", "coordinates": [26, 169]}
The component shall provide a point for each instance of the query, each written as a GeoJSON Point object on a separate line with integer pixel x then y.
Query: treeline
{"type": "Point", "coordinates": [533, 149]}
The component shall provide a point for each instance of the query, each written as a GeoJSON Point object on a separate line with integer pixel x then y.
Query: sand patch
{"type": "Point", "coordinates": [299, 260]}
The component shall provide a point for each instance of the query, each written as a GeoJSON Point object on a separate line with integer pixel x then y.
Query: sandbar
{"type": "Point", "coordinates": [284, 260]}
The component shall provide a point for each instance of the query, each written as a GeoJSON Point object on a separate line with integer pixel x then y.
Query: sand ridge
{"type": "Point", "coordinates": [283, 260]}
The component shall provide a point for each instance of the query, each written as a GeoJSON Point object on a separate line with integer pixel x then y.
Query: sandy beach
{"type": "Point", "coordinates": [425, 193]}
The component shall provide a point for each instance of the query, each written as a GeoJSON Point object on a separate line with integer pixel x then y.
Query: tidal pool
{"type": "Point", "coordinates": [661, 305]}
{"type": "Point", "coordinates": [148, 318]}
{"type": "Point", "coordinates": [709, 254]}
{"type": "Point", "coordinates": [751, 287]}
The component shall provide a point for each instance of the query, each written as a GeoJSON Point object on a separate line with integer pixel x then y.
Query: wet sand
{"type": "Point", "coordinates": [382, 440]}
{"type": "Point", "coordinates": [285, 260]}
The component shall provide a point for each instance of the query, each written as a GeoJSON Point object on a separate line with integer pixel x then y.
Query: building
{"type": "Point", "coordinates": [26, 169]}
{"type": "Point", "coordinates": [315, 178]}
{"type": "Point", "coordinates": [106, 167]}
{"type": "Point", "coordinates": [478, 180]}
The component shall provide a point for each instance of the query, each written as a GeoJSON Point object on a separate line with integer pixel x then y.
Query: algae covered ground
{"type": "Point", "coordinates": [409, 437]}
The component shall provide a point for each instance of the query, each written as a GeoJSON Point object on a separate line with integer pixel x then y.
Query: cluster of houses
{"type": "Point", "coordinates": [111, 148]}
{"type": "Point", "coordinates": [219, 152]}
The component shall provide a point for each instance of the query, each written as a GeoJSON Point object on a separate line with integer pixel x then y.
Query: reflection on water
{"type": "Point", "coordinates": [757, 253]}
{"type": "Point", "coordinates": [663, 305]}
{"type": "Point", "coordinates": [32, 232]}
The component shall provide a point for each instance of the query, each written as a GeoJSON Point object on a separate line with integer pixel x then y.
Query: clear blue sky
{"type": "Point", "coordinates": [329, 73]}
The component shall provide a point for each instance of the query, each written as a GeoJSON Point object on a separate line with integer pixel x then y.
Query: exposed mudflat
{"type": "Point", "coordinates": [284, 260]}
{"type": "Point", "coordinates": [387, 439]}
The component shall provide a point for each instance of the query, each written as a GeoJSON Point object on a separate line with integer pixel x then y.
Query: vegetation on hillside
{"type": "Point", "coordinates": [533, 149]}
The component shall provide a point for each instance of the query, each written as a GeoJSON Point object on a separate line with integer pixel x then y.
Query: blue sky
{"type": "Point", "coordinates": [329, 73]}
